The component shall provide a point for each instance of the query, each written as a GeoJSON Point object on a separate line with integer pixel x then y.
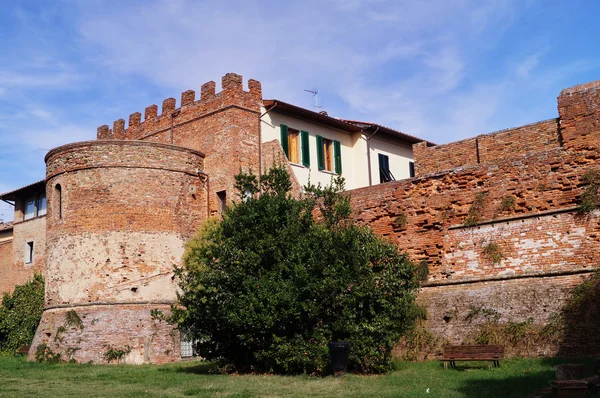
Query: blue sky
{"type": "Point", "coordinates": [439, 69]}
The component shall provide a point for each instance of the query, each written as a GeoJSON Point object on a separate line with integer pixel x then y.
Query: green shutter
{"type": "Point", "coordinates": [320, 153]}
{"type": "Point", "coordinates": [337, 157]}
{"type": "Point", "coordinates": [305, 148]}
{"type": "Point", "coordinates": [285, 136]}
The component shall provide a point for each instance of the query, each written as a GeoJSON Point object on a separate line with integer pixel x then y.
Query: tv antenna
{"type": "Point", "coordinates": [315, 94]}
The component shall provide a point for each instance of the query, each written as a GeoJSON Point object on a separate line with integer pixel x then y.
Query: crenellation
{"type": "Point", "coordinates": [208, 91]}
{"type": "Point", "coordinates": [168, 106]}
{"type": "Point", "coordinates": [134, 120]}
{"type": "Point", "coordinates": [232, 81]}
{"type": "Point", "coordinates": [119, 128]}
{"type": "Point", "coordinates": [255, 88]}
{"type": "Point", "coordinates": [188, 97]}
{"type": "Point", "coordinates": [104, 133]}
{"type": "Point", "coordinates": [150, 112]}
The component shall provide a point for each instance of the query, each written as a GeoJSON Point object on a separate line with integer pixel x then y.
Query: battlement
{"type": "Point", "coordinates": [232, 94]}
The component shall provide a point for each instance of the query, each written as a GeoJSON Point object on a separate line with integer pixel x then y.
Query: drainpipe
{"type": "Point", "coordinates": [369, 154]}
{"type": "Point", "coordinates": [173, 114]}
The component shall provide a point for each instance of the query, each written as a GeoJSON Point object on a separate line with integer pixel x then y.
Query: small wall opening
{"type": "Point", "coordinates": [59, 203]}
{"type": "Point", "coordinates": [222, 195]}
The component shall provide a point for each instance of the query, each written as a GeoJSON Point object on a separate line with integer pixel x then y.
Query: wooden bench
{"type": "Point", "coordinates": [23, 350]}
{"type": "Point", "coordinates": [492, 353]}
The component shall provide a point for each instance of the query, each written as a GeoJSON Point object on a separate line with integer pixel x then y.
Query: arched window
{"type": "Point", "coordinates": [58, 197]}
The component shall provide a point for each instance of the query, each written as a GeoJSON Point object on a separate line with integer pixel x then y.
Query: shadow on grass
{"type": "Point", "coordinates": [526, 383]}
{"type": "Point", "coordinates": [200, 368]}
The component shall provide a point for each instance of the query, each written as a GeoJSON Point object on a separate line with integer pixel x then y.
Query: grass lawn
{"type": "Point", "coordinates": [516, 378]}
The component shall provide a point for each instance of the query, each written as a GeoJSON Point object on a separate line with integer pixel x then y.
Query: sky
{"type": "Point", "coordinates": [442, 70]}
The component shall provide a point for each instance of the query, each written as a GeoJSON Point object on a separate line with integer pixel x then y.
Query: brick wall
{"type": "Point", "coordinates": [487, 148]}
{"type": "Point", "coordinates": [6, 262]}
{"type": "Point", "coordinates": [115, 230]}
{"type": "Point", "coordinates": [520, 194]}
{"type": "Point", "coordinates": [13, 269]}
{"type": "Point", "coordinates": [224, 126]}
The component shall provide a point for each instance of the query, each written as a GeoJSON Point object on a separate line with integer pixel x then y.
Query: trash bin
{"type": "Point", "coordinates": [339, 351]}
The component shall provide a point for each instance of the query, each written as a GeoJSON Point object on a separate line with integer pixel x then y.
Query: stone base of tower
{"type": "Point", "coordinates": [115, 333]}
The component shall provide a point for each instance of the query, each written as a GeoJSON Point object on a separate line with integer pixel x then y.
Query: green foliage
{"type": "Point", "coordinates": [507, 204]}
{"type": "Point", "coordinates": [269, 286]}
{"type": "Point", "coordinates": [422, 271]}
{"type": "Point", "coordinates": [73, 320]}
{"type": "Point", "coordinates": [590, 198]}
{"type": "Point", "coordinates": [112, 353]}
{"type": "Point", "coordinates": [476, 210]}
{"type": "Point", "coordinates": [20, 314]}
{"type": "Point", "coordinates": [400, 221]}
{"type": "Point", "coordinates": [43, 353]}
{"type": "Point", "coordinates": [493, 252]}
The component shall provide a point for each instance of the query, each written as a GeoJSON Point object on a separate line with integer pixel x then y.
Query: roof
{"type": "Point", "coordinates": [352, 126]}
{"type": "Point", "coordinates": [11, 195]}
{"type": "Point", "coordinates": [389, 131]}
{"type": "Point", "coordinates": [293, 110]}
{"type": "Point", "coordinates": [6, 226]}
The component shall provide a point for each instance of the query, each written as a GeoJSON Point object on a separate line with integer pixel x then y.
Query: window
{"type": "Point", "coordinates": [329, 155]}
{"type": "Point", "coordinates": [29, 208]}
{"type": "Point", "coordinates": [385, 175]}
{"type": "Point", "coordinates": [42, 205]}
{"type": "Point", "coordinates": [59, 203]}
{"type": "Point", "coordinates": [294, 144]}
{"type": "Point", "coordinates": [29, 252]}
{"type": "Point", "coordinates": [222, 195]}
{"type": "Point", "coordinates": [411, 169]}
{"type": "Point", "coordinates": [34, 206]}
{"type": "Point", "coordinates": [187, 346]}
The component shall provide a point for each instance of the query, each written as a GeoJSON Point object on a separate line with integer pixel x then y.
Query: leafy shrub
{"type": "Point", "coordinates": [507, 204]}
{"type": "Point", "coordinates": [400, 221]}
{"type": "Point", "coordinates": [112, 353]}
{"type": "Point", "coordinates": [268, 287]}
{"type": "Point", "coordinates": [476, 210]}
{"type": "Point", "coordinates": [590, 198]}
{"type": "Point", "coordinates": [20, 314]}
{"type": "Point", "coordinates": [43, 353]}
{"type": "Point", "coordinates": [493, 252]}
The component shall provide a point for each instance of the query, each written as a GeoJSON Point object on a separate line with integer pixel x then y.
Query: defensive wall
{"type": "Point", "coordinates": [495, 219]}
{"type": "Point", "coordinates": [120, 214]}
{"type": "Point", "coordinates": [223, 125]}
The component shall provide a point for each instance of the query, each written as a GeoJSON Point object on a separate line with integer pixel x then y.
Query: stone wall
{"type": "Point", "coordinates": [495, 217]}
{"type": "Point", "coordinates": [120, 214]}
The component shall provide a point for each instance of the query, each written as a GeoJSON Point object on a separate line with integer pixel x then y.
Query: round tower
{"type": "Point", "coordinates": [118, 217]}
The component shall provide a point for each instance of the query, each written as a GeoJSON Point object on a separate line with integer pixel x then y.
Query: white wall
{"type": "Point", "coordinates": [353, 147]}
{"type": "Point", "coordinates": [399, 153]}
{"type": "Point", "coordinates": [353, 150]}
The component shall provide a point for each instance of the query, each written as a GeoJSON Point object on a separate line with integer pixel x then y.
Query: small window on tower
{"type": "Point", "coordinates": [222, 195]}
{"type": "Point", "coordinates": [29, 252]}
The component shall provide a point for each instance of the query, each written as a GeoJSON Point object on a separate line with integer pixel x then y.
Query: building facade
{"type": "Point", "coordinates": [113, 214]}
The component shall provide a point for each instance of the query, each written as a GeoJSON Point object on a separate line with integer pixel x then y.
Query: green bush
{"type": "Point", "coordinates": [268, 287]}
{"type": "Point", "coordinates": [20, 314]}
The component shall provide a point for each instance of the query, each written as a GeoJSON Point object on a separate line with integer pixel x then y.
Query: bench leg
{"type": "Point", "coordinates": [445, 365]}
